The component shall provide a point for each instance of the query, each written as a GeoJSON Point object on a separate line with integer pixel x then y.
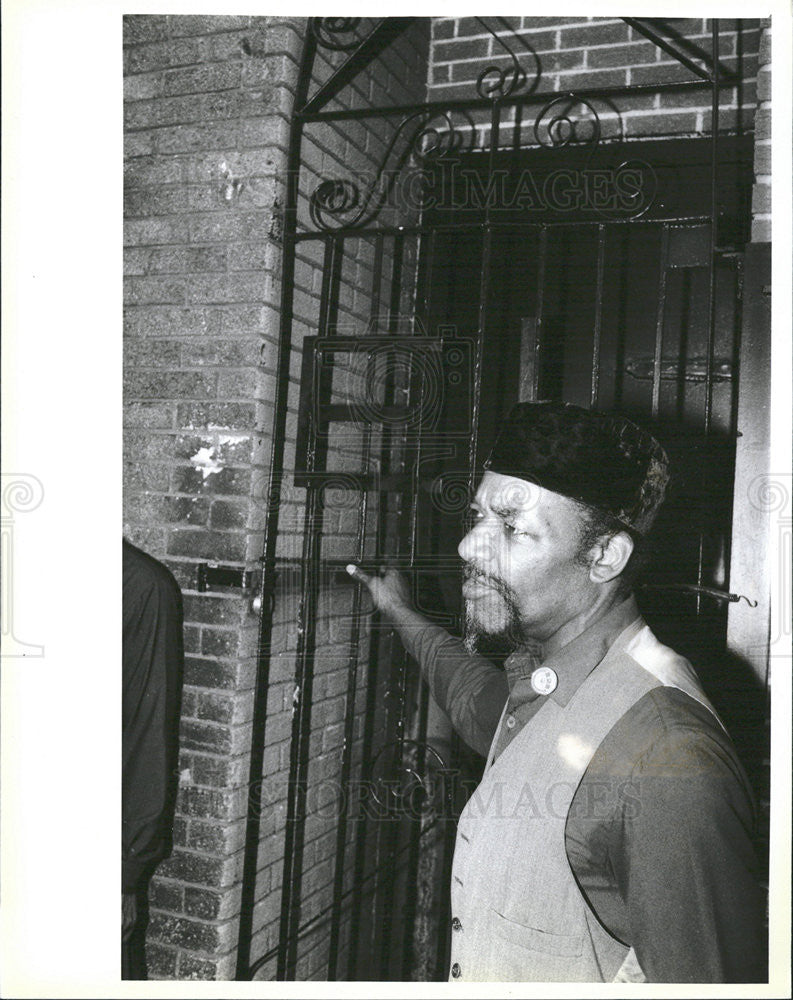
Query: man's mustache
{"type": "Point", "coordinates": [472, 572]}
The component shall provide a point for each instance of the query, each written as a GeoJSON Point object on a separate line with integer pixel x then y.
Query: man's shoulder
{"type": "Point", "coordinates": [146, 577]}
{"type": "Point", "coordinates": [665, 731]}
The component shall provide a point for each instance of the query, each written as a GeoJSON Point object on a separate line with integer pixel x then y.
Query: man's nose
{"type": "Point", "coordinates": [477, 546]}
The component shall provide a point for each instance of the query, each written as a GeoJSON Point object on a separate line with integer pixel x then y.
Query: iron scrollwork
{"type": "Point", "coordinates": [337, 33]}
{"type": "Point", "coordinates": [415, 785]}
{"type": "Point", "coordinates": [339, 203]}
{"type": "Point", "coordinates": [497, 82]}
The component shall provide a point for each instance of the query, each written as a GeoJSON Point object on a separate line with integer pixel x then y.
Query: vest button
{"type": "Point", "coordinates": [456, 925]}
{"type": "Point", "coordinates": [510, 722]}
{"type": "Point", "coordinates": [456, 970]}
{"type": "Point", "coordinates": [544, 680]}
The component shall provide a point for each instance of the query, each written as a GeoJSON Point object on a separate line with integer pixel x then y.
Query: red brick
{"type": "Point", "coordinates": [631, 54]}
{"type": "Point", "coordinates": [192, 968]}
{"type": "Point", "coordinates": [596, 33]}
{"type": "Point", "coordinates": [202, 24]}
{"type": "Point", "coordinates": [455, 50]}
{"type": "Point", "coordinates": [214, 76]}
{"type": "Point", "coordinates": [169, 385]}
{"type": "Point", "coordinates": [442, 27]}
{"type": "Point", "coordinates": [224, 546]}
{"type": "Point", "coordinates": [190, 934]}
{"type": "Point", "coordinates": [762, 124]}
{"type": "Point", "coordinates": [154, 201]}
{"type": "Point", "coordinates": [139, 28]}
{"type": "Point", "coordinates": [160, 55]}
{"type": "Point", "coordinates": [761, 199]}
{"type": "Point", "coordinates": [142, 87]}
{"type": "Point", "coordinates": [213, 674]}
{"type": "Point", "coordinates": [661, 124]}
{"type": "Point", "coordinates": [761, 230]}
{"type": "Point", "coordinates": [148, 232]}
{"type": "Point", "coordinates": [166, 895]}
{"type": "Point", "coordinates": [188, 138]}
{"type": "Point", "coordinates": [220, 643]}
{"type": "Point", "coordinates": [192, 868]}
{"type": "Point", "coordinates": [762, 158]}
{"type": "Point", "coordinates": [160, 961]}
{"type": "Point", "coordinates": [151, 415]}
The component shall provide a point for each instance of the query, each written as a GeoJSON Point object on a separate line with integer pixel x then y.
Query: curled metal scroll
{"type": "Point", "coordinates": [556, 126]}
{"type": "Point", "coordinates": [336, 33]}
{"type": "Point", "coordinates": [339, 203]}
{"type": "Point", "coordinates": [397, 794]}
{"type": "Point", "coordinates": [496, 82]}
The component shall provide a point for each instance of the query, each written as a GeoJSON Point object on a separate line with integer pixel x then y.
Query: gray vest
{"type": "Point", "coordinates": [518, 914]}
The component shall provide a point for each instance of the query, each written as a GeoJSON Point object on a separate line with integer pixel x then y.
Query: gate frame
{"type": "Point", "coordinates": [311, 109]}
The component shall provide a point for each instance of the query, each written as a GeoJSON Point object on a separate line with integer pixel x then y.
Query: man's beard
{"type": "Point", "coordinates": [510, 633]}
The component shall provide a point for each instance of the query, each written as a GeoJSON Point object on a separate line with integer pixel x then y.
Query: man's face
{"type": "Point", "coordinates": [522, 575]}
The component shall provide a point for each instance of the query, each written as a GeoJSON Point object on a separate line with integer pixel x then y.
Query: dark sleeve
{"type": "Point", "coordinates": [685, 864]}
{"type": "Point", "coordinates": [470, 689]}
{"type": "Point", "coordinates": [152, 661]}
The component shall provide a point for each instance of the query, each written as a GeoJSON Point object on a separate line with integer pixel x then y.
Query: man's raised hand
{"type": "Point", "coordinates": [389, 589]}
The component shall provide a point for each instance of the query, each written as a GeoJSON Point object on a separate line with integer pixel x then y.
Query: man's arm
{"type": "Point", "coordinates": [469, 688]}
{"type": "Point", "coordinates": [685, 864]}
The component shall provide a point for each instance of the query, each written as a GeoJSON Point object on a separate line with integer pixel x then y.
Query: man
{"type": "Point", "coordinates": [152, 663]}
{"type": "Point", "coordinates": [610, 836]}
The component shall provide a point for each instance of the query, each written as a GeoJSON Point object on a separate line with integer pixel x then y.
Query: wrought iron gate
{"type": "Point", "coordinates": [473, 297]}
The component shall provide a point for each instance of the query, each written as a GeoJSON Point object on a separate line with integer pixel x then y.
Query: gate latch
{"type": "Point", "coordinates": [211, 577]}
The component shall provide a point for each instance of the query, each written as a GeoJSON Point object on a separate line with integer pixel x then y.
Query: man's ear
{"type": "Point", "coordinates": [610, 557]}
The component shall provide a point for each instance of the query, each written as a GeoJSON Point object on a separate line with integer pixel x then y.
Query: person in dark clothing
{"type": "Point", "coordinates": [152, 664]}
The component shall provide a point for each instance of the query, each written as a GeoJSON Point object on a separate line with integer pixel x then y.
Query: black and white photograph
{"type": "Point", "coordinates": [435, 618]}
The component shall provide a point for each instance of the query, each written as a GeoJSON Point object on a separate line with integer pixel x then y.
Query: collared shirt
{"type": "Point", "coordinates": [678, 831]}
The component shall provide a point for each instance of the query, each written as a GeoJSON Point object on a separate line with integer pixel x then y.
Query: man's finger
{"type": "Point", "coordinates": [357, 573]}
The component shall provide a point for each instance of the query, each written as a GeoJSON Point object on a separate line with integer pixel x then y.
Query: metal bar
{"type": "Point", "coordinates": [372, 690]}
{"type": "Point", "coordinates": [396, 283]}
{"type": "Point", "coordinates": [714, 218]}
{"type": "Point", "coordinates": [309, 925]}
{"type": "Point", "coordinates": [381, 36]}
{"type": "Point", "coordinates": [691, 588]}
{"type": "Point", "coordinates": [484, 103]}
{"type": "Point", "coordinates": [383, 918]}
{"type": "Point", "coordinates": [659, 322]}
{"type": "Point", "coordinates": [346, 764]}
{"type": "Point", "coordinates": [680, 222]}
{"type": "Point", "coordinates": [306, 634]}
{"type": "Point", "coordinates": [355, 640]}
{"type": "Point", "coordinates": [414, 842]}
{"type": "Point", "coordinates": [593, 400]}
{"type": "Point", "coordinates": [662, 43]}
{"type": "Point", "coordinates": [268, 559]}
{"type": "Point", "coordinates": [543, 255]}
{"type": "Point", "coordinates": [377, 277]}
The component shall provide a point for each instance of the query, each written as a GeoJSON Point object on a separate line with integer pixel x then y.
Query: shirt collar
{"type": "Point", "coordinates": [575, 661]}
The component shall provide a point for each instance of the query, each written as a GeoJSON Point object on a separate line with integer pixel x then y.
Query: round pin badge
{"type": "Point", "coordinates": [544, 680]}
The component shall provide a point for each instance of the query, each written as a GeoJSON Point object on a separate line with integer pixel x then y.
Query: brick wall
{"type": "Point", "coordinates": [761, 196]}
{"type": "Point", "coordinates": [574, 53]}
{"type": "Point", "coordinates": [205, 106]}
{"type": "Point", "coordinates": [207, 101]}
